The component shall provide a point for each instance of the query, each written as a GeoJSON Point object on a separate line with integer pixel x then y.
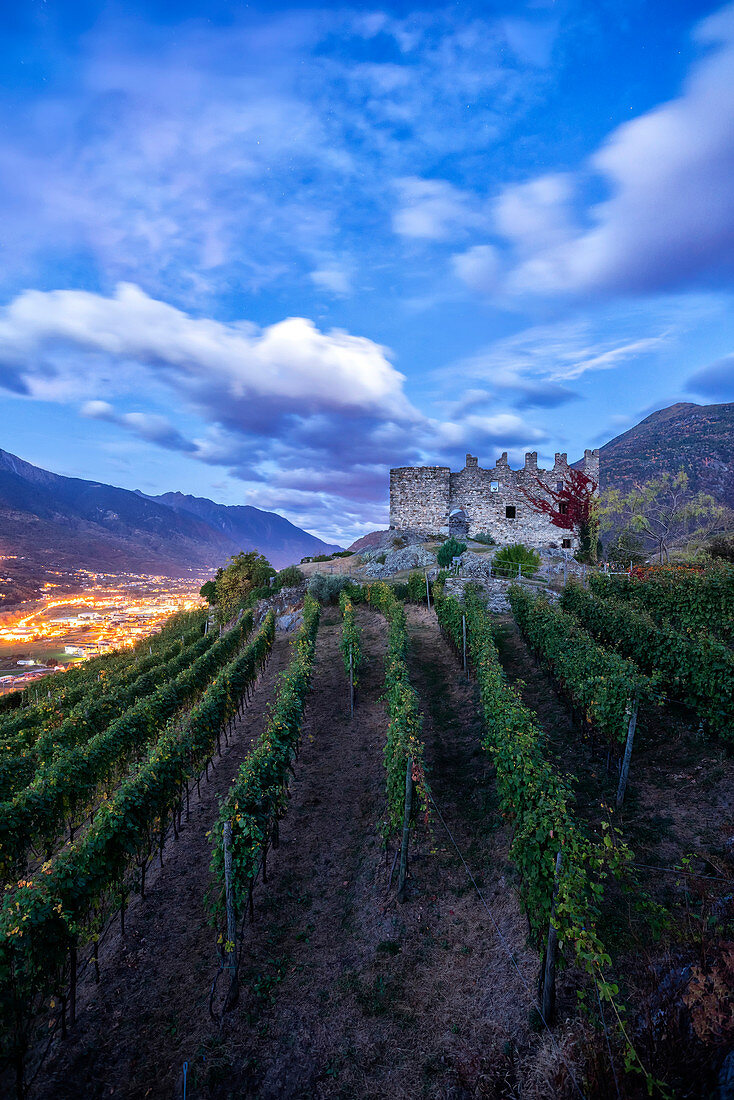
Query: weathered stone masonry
{"type": "Point", "coordinates": [475, 500]}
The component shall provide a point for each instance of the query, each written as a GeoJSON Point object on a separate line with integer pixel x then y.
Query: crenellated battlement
{"type": "Point", "coordinates": [493, 501]}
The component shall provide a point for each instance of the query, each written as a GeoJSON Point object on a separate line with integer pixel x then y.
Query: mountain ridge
{"type": "Point", "coordinates": [698, 439]}
{"type": "Point", "coordinates": [51, 524]}
{"type": "Point", "coordinates": [239, 522]}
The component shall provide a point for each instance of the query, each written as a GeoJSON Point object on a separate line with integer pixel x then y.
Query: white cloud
{"type": "Point", "coordinates": [536, 214]}
{"type": "Point", "coordinates": [332, 278]}
{"type": "Point", "coordinates": [478, 267]}
{"type": "Point", "coordinates": [290, 363]}
{"type": "Point", "coordinates": [236, 156]}
{"type": "Point", "coordinates": [475, 430]}
{"type": "Point", "coordinates": [669, 217]}
{"type": "Point", "coordinates": [531, 41]}
{"type": "Point", "coordinates": [310, 415]}
{"type": "Point", "coordinates": [434, 210]}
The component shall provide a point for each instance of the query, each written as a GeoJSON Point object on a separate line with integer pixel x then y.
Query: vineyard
{"type": "Point", "coordinates": [405, 847]}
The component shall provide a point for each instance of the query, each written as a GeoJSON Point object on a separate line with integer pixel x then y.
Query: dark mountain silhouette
{"type": "Point", "coordinates": [250, 528]}
{"type": "Point", "coordinates": [696, 438]}
{"type": "Point", "coordinates": [55, 524]}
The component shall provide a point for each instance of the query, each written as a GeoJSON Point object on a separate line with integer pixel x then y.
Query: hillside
{"type": "Point", "coordinates": [55, 524]}
{"type": "Point", "coordinates": [249, 528]}
{"type": "Point", "coordinates": [696, 438]}
{"type": "Point", "coordinates": [335, 963]}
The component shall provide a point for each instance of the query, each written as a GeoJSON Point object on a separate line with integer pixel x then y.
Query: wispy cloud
{"type": "Point", "coordinates": [434, 210]}
{"type": "Point", "coordinates": [542, 357]}
{"type": "Point", "coordinates": [667, 218]}
{"type": "Point", "coordinates": [147, 426]}
{"type": "Point", "coordinates": [239, 153]}
{"type": "Point", "coordinates": [715, 380]}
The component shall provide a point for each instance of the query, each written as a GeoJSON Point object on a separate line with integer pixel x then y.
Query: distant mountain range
{"type": "Point", "coordinates": [54, 524]}
{"type": "Point", "coordinates": [246, 528]}
{"type": "Point", "coordinates": [696, 438]}
{"type": "Point", "coordinates": [50, 523]}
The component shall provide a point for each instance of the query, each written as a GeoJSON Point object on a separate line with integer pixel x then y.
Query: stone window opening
{"type": "Point", "coordinates": [559, 486]}
{"type": "Point", "coordinates": [510, 511]}
{"type": "Point", "coordinates": [494, 486]}
{"type": "Point", "coordinates": [563, 508]}
{"type": "Point", "coordinates": [566, 544]}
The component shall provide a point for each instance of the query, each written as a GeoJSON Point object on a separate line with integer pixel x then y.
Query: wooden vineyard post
{"type": "Point", "coordinates": [406, 829]}
{"type": "Point", "coordinates": [428, 593]}
{"type": "Point", "coordinates": [624, 773]}
{"type": "Point", "coordinates": [231, 945]}
{"type": "Point", "coordinates": [463, 635]}
{"type": "Point", "coordinates": [548, 1005]}
{"type": "Point", "coordinates": [72, 985]}
{"type": "Point", "coordinates": [351, 681]}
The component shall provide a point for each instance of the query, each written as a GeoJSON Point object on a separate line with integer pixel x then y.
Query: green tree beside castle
{"type": "Point", "coordinates": [662, 512]}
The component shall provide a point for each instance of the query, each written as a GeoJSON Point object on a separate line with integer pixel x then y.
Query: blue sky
{"type": "Point", "coordinates": [264, 252]}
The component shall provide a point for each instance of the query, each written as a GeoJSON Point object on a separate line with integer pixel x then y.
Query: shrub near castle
{"type": "Point", "coordinates": [516, 561]}
{"type": "Point", "coordinates": [451, 549]}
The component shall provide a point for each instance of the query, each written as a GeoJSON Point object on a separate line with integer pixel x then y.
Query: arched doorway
{"type": "Point", "coordinates": [458, 524]}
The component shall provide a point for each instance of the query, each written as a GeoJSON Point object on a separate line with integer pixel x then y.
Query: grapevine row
{"type": "Point", "coordinates": [698, 670]}
{"type": "Point", "coordinates": [46, 919]}
{"type": "Point", "coordinates": [81, 685]}
{"type": "Point", "coordinates": [600, 683]}
{"type": "Point", "coordinates": [403, 743]}
{"type": "Point", "coordinates": [351, 640]}
{"type": "Point", "coordinates": [259, 793]}
{"type": "Point", "coordinates": [536, 800]}
{"type": "Point", "coordinates": [65, 789]}
{"type": "Point", "coordinates": [692, 601]}
{"type": "Point", "coordinates": [32, 748]}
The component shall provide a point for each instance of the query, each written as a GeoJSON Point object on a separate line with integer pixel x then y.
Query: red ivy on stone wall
{"type": "Point", "coordinates": [568, 507]}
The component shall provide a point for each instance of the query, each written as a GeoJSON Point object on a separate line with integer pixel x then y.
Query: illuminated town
{"type": "Point", "coordinates": [110, 611]}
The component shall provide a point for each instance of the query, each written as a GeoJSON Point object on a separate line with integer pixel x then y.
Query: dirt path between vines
{"type": "Point", "coordinates": [135, 1028]}
{"type": "Point", "coordinates": [349, 993]}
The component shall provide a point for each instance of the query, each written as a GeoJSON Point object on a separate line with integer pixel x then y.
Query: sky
{"type": "Point", "coordinates": [262, 252]}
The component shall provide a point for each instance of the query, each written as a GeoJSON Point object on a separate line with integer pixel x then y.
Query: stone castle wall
{"type": "Point", "coordinates": [420, 496]}
{"type": "Point", "coordinates": [474, 500]}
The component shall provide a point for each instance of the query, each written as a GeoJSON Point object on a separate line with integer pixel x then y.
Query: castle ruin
{"type": "Point", "coordinates": [478, 501]}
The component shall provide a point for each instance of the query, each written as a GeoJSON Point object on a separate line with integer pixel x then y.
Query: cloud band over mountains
{"type": "Point", "coordinates": [303, 410]}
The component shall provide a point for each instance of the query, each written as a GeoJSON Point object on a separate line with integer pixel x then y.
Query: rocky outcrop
{"type": "Point", "coordinates": [409, 557]}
